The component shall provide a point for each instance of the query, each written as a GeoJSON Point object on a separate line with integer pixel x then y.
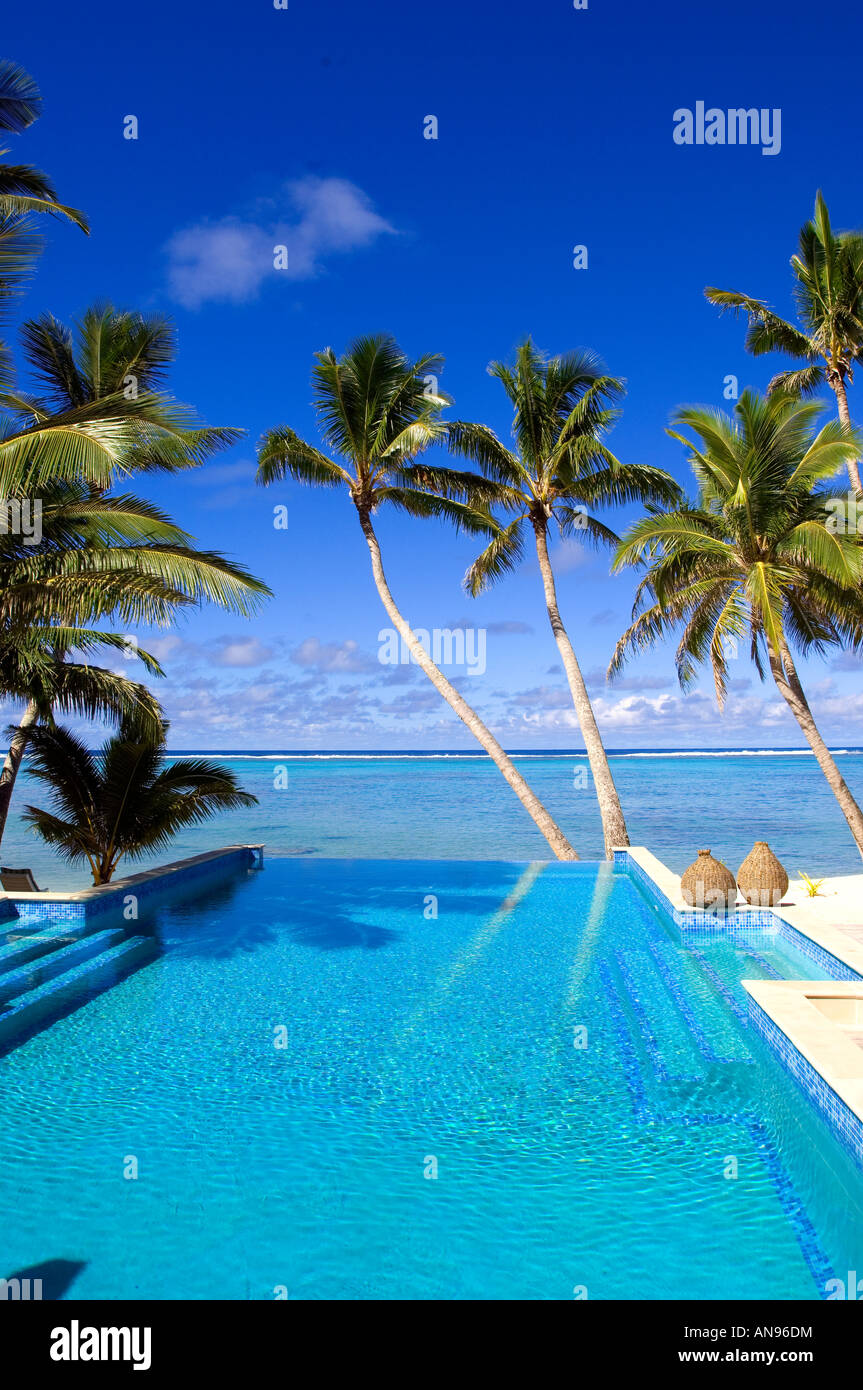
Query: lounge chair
{"type": "Point", "coordinates": [18, 881]}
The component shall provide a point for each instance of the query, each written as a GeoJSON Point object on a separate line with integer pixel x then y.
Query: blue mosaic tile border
{"type": "Point", "coordinates": [794, 1210]}
{"type": "Point", "coordinates": [847, 1126]}
{"type": "Point", "coordinates": [709, 924]}
{"type": "Point", "coordinates": [31, 914]}
{"type": "Point", "coordinates": [39, 913]}
{"type": "Point", "coordinates": [807, 1238]}
{"type": "Point", "coordinates": [628, 1057]}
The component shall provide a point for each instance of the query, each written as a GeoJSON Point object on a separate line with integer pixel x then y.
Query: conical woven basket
{"type": "Point", "coordinates": [708, 884]}
{"type": "Point", "coordinates": [761, 878]}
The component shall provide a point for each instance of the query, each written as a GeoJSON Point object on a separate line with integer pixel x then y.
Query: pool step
{"type": "Point", "coordinates": [717, 1036]}
{"type": "Point", "coordinates": [666, 1039]}
{"type": "Point", "coordinates": [35, 972]}
{"type": "Point", "coordinates": [29, 945]}
{"type": "Point", "coordinates": [27, 1013]}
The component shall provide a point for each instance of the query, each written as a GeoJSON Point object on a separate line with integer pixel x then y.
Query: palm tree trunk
{"type": "Point", "coordinates": [12, 763]}
{"type": "Point", "coordinates": [788, 682]}
{"type": "Point", "coordinates": [613, 824]}
{"type": "Point", "coordinates": [838, 383]}
{"type": "Point", "coordinates": [534, 807]}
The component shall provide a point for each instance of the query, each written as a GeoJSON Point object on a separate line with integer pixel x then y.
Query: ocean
{"type": "Point", "coordinates": [415, 805]}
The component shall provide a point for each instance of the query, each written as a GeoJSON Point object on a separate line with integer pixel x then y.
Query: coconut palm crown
{"type": "Point", "coordinates": [559, 471]}
{"type": "Point", "coordinates": [101, 414]}
{"type": "Point", "coordinates": [100, 409]}
{"type": "Point", "coordinates": [828, 294]}
{"type": "Point", "coordinates": [758, 561]}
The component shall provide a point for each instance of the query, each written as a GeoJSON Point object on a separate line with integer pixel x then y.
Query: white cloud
{"type": "Point", "coordinates": [333, 657]}
{"type": "Point", "coordinates": [230, 258]}
{"type": "Point", "coordinates": [569, 555]}
{"type": "Point", "coordinates": [163, 647]}
{"type": "Point", "coordinates": [241, 651]}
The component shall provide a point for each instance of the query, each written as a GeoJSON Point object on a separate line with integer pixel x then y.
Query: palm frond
{"type": "Point", "coordinates": [482, 446]}
{"type": "Point", "coordinates": [283, 454]}
{"type": "Point", "coordinates": [804, 382]}
{"type": "Point", "coordinates": [503, 554]}
{"type": "Point", "coordinates": [427, 505]}
{"type": "Point", "coordinates": [20, 101]}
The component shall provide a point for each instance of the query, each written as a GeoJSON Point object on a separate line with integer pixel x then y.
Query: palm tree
{"type": "Point", "coordinates": [100, 557]}
{"type": "Point", "coordinates": [560, 467]}
{"type": "Point", "coordinates": [127, 800]}
{"type": "Point", "coordinates": [34, 669]}
{"type": "Point", "coordinates": [23, 191]}
{"type": "Point", "coordinates": [377, 412]}
{"type": "Point", "coordinates": [758, 558]}
{"type": "Point", "coordinates": [829, 297]}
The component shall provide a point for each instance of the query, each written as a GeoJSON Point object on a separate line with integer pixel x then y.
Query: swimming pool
{"type": "Point", "coordinates": [361, 1079]}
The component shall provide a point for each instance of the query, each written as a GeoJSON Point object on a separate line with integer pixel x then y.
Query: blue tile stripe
{"type": "Point", "coordinates": [635, 1002]}
{"type": "Point", "coordinates": [626, 1051]}
{"type": "Point", "coordinates": [33, 913]}
{"type": "Point", "coordinates": [793, 1209]}
{"type": "Point", "coordinates": [819, 1265]}
{"type": "Point", "coordinates": [847, 1126]}
{"type": "Point", "coordinates": [719, 984]}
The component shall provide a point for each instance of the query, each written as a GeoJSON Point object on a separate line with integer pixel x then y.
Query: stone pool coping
{"type": "Point", "coordinates": [819, 1054]}
{"type": "Point", "coordinates": [40, 907]}
{"type": "Point", "coordinates": [823, 941]}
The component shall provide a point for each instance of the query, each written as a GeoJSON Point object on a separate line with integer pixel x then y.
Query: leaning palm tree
{"type": "Point", "coordinates": [829, 298]}
{"type": "Point", "coordinates": [377, 412]}
{"type": "Point", "coordinates": [757, 559]}
{"type": "Point", "coordinates": [125, 801]}
{"type": "Point", "coordinates": [559, 469]}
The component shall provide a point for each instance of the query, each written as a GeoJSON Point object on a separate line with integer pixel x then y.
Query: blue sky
{"type": "Point", "coordinates": [259, 127]}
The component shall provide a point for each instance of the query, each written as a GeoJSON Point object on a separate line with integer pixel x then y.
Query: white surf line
{"type": "Point", "coordinates": [474, 950]}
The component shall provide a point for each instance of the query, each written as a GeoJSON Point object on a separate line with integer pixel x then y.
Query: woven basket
{"type": "Point", "coordinates": [708, 884]}
{"type": "Point", "coordinates": [761, 878]}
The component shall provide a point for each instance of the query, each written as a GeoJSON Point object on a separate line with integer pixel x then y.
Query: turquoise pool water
{"type": "Point", "coordinates": [419, 1044]}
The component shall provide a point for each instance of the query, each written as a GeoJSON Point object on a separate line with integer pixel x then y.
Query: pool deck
{"type": "Point", "coordinates": [839, 905]}
{"type": "Point", "coordinates": [833, 920]}
{"type": "Point", "coordinates": [824, 1058]}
